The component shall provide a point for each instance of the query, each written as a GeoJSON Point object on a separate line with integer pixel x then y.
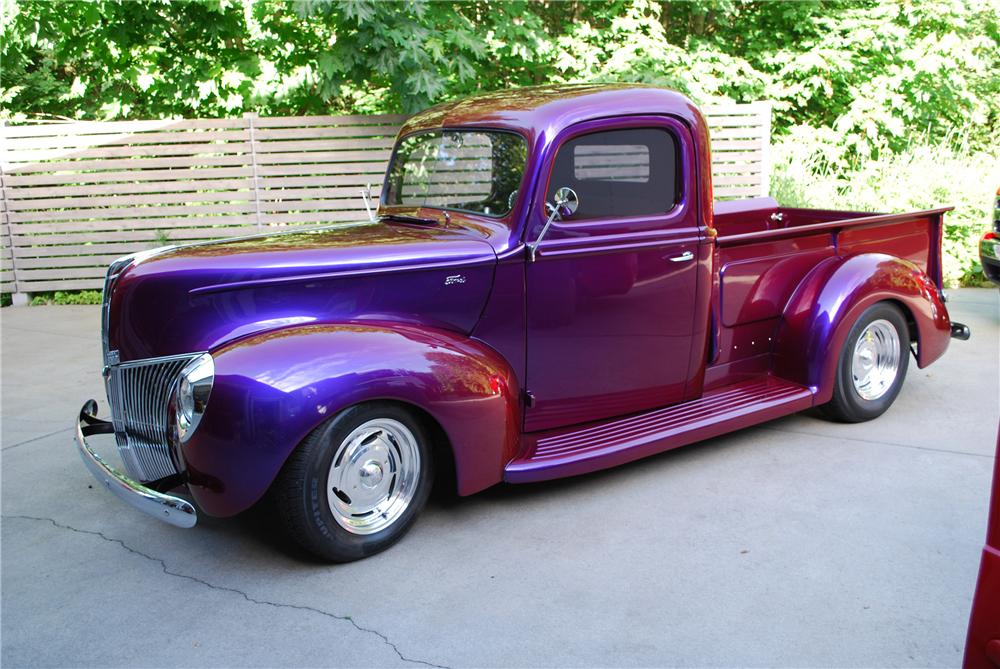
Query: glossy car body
{"type": "Point", "coordinates": [989, 246]}
{"type": "Point", "coordinates": [626, 336]}
{"type": "Point", "coordinates": [982, 649]}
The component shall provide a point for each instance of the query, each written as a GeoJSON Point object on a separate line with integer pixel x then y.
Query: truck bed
{"type": "Point", "coordinates": [914, 236]}
{"type": "Point", "coordinates": [765, 251]}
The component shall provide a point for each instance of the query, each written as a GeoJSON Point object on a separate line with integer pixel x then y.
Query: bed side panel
{"type": "Point", "coordinates": [757, 280]}
{"type": "Point", "coordinates": [909, 240]}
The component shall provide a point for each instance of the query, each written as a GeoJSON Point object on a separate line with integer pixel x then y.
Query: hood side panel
{"type": "Point", "coordinates": [162, 317]}
{"type": "Point", "coordinates": [196, 298]}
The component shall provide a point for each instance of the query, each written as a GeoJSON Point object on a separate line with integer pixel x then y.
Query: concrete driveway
{"type": "Point", "coordinates": [799, 542]}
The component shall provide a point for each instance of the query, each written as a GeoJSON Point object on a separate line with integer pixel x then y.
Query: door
{"type": "Point", "coordinates": [611, 294]}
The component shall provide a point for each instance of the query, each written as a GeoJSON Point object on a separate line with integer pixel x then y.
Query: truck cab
{"type": "Point", "coordinates": [547, 289]}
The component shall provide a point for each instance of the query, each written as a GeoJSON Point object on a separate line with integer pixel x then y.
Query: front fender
{"type": "Point", "coordinates": [272, 389]}
{"type": "Point", "coordinates": [823, 309]}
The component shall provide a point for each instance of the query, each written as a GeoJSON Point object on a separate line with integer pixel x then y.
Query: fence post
{"type": "Point", "coordinates": [18, 299]}
{"type": "Point", "coordinates": [765, 151]}
{"type": "Point", "coordinates": [251, 117]}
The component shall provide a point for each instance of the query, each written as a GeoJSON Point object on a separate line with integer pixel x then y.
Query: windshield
{"type": "Point", "coordinates": [466, 170]}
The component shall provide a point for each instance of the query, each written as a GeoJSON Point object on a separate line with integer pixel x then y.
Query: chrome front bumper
{"type": "Point", "coordinates": [170, 509]}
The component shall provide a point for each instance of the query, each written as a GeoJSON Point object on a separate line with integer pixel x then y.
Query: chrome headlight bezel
{"type": "Point", "coordinates": [191, 395]}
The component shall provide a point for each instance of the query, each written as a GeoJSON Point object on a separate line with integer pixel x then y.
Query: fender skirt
{"type": "Point", "coordinates": [273, 388]}
{"type": "Point", "coordinates": [825, 306]}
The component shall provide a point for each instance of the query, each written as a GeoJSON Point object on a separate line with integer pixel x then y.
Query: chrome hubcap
{"type": "Point", "coordinates": [876, 359]}
{"type": "Point", "coordinates": [373, 476]}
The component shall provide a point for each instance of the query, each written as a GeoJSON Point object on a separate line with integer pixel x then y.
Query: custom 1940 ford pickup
{"type": "Point", "coordinates": [547, 289]}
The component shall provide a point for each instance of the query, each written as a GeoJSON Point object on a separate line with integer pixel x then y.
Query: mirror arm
{"type": "Point", "coordinates": [533, 246]}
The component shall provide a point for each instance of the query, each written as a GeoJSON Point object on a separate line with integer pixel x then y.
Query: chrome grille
{"type": "Point", "coordinates": [138, 393]}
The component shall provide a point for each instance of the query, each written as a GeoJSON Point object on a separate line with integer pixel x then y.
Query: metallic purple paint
{"type": "Point", "coordinates": [603, 326]}
{"type": "Point", "coordinates": [273, 388]}
{"type": "Point", "coordinates": [829, 301]}
{"type": "Point", "coordinates": [194, 298]}
{"type": "Point", "coordinates": [610, 313]}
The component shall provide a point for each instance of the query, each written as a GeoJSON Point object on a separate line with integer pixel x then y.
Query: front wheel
{"type": "Point", "coordinates": [356, 483]}
{"type": "Point", "coordinates": [872, 365]}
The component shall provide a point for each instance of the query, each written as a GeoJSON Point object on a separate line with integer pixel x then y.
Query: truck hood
{"type": "Point", "coordinates": [194, 298]}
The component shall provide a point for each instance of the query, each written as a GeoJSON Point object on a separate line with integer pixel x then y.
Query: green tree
{"type": "Point", "coordinates": [868, 74]}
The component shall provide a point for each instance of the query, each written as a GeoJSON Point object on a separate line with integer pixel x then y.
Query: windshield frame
{"type": "Point", "coordinates": [388, 208]}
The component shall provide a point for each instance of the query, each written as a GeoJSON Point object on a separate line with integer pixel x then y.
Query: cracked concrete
{"type": "Point", "coordinates": [252, 600]}
{"type": "Point", "coordinates": [796, 543]}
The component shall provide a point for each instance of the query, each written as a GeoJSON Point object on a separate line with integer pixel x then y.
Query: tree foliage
{"type": "Point", "coordinates": [864, 91]}
{"type": "Point", "coordinates": [869, 74]}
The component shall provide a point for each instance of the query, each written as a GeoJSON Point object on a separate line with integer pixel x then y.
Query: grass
{"type": "Point", "coordinates": [923, 176]}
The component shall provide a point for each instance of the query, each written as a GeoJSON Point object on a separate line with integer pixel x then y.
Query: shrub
{"type": "Point", "coordinates": [67, 297]}
{"type": "Point", "coordinates": [922, 176]}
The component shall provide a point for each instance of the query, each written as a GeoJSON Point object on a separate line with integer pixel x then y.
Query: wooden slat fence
{"type": "Point", "coordinates": [77, 195]}
{"type": "Point", "coordinates": [741, 148]}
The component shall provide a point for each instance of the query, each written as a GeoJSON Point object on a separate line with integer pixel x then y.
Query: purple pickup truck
{"type": "Point", "coordinates": [546, 288]}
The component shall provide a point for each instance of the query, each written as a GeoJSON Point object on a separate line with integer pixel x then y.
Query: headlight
{"type": "Point", "coordinates": [192, 394]}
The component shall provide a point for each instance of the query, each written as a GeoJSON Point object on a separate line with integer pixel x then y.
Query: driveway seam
{"type": "Point", "coordinates": [878, 443]}
{"type": "Point", "coordinates": [253, 600]}
{"type": "Point", "coordinates": [47, 332]}
{"type": "Point", "coordinates": [28, 441]}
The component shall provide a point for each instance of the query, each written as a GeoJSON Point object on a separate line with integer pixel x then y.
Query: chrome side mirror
{"type": "Point", "coordinates": [564, 203]}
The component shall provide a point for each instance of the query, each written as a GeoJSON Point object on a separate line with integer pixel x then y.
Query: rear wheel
{"type": "Point", "coordinates": [872, 365]}
{"type": "Point", "coordinates": [356, 484]}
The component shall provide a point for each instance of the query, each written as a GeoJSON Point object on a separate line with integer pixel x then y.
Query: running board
{"type": "Point", "coordinates": [579, 450]}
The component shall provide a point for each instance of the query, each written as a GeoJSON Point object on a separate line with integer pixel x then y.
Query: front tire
{"type": "Point", "coordinates": [872, 365]}
{"type": "Point", "coordinates": [356, 484]}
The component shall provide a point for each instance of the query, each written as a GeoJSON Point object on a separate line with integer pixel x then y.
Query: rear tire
{"type": "Point", "coordinates": [355, 485]}
{"type": "Point", "coordinates": [872, 365]}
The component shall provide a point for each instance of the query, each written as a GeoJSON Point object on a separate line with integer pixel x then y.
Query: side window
{"type": "Point", "coordinates": [630, 172]}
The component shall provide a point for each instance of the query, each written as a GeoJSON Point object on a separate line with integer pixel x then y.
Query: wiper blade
{"type": "Point", "coordinates": [403, 218]}
{"type": "Point", "coordinates": [366, 196]}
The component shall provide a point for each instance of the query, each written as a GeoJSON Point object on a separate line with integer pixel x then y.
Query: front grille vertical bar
{"type": "Point", "coordinates": [158, 414]}
{"type": "Point", "coordinates": [139, 408]}
{"type": "Point", "coordinates": [133, 398]}
{"type": "Point", "coordinates": [148, 392]}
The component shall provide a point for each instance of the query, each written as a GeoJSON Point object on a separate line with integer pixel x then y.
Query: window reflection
{"type": "Point", "coordinates": [464, 170]}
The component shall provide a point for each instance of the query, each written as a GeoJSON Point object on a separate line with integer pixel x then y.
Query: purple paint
{"type": "Point", "coordinates": [627, 336]}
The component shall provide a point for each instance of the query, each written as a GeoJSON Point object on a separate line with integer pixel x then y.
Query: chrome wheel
{"type": "Point", "coordinates": [876, 360]}
{"type": "Point", "coordinates": [373, 476]}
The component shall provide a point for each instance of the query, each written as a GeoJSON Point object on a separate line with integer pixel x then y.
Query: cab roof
{"type": "Point", "coordinates": [545, 110]}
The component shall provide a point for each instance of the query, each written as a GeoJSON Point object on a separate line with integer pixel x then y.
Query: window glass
{"type": "Point", "coordinates": [478, 171]}
{"type": "Point", "coordinates": [630, 172]}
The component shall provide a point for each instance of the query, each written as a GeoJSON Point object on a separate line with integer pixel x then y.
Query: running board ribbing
{"type": "Point", "coordinates": [580, 450]}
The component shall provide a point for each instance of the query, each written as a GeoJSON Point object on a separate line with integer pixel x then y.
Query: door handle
{"type": "Point", "coordinates": [684, 257]}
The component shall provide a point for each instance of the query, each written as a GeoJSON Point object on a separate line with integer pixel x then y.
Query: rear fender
{"type": "Point", "coordinates": [272, 389]}
{"type": "Point", "coordinates": [823, 309]}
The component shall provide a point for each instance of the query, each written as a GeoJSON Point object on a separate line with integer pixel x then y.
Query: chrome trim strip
{"type": "Point", "coordinates": [163, 358]}
{"type": "Point", "coordinates": [486, 259]}
{"type": "Point", "coordinates": [168, 508]}
{"type": "Point", "coordinates": [114, 271]}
